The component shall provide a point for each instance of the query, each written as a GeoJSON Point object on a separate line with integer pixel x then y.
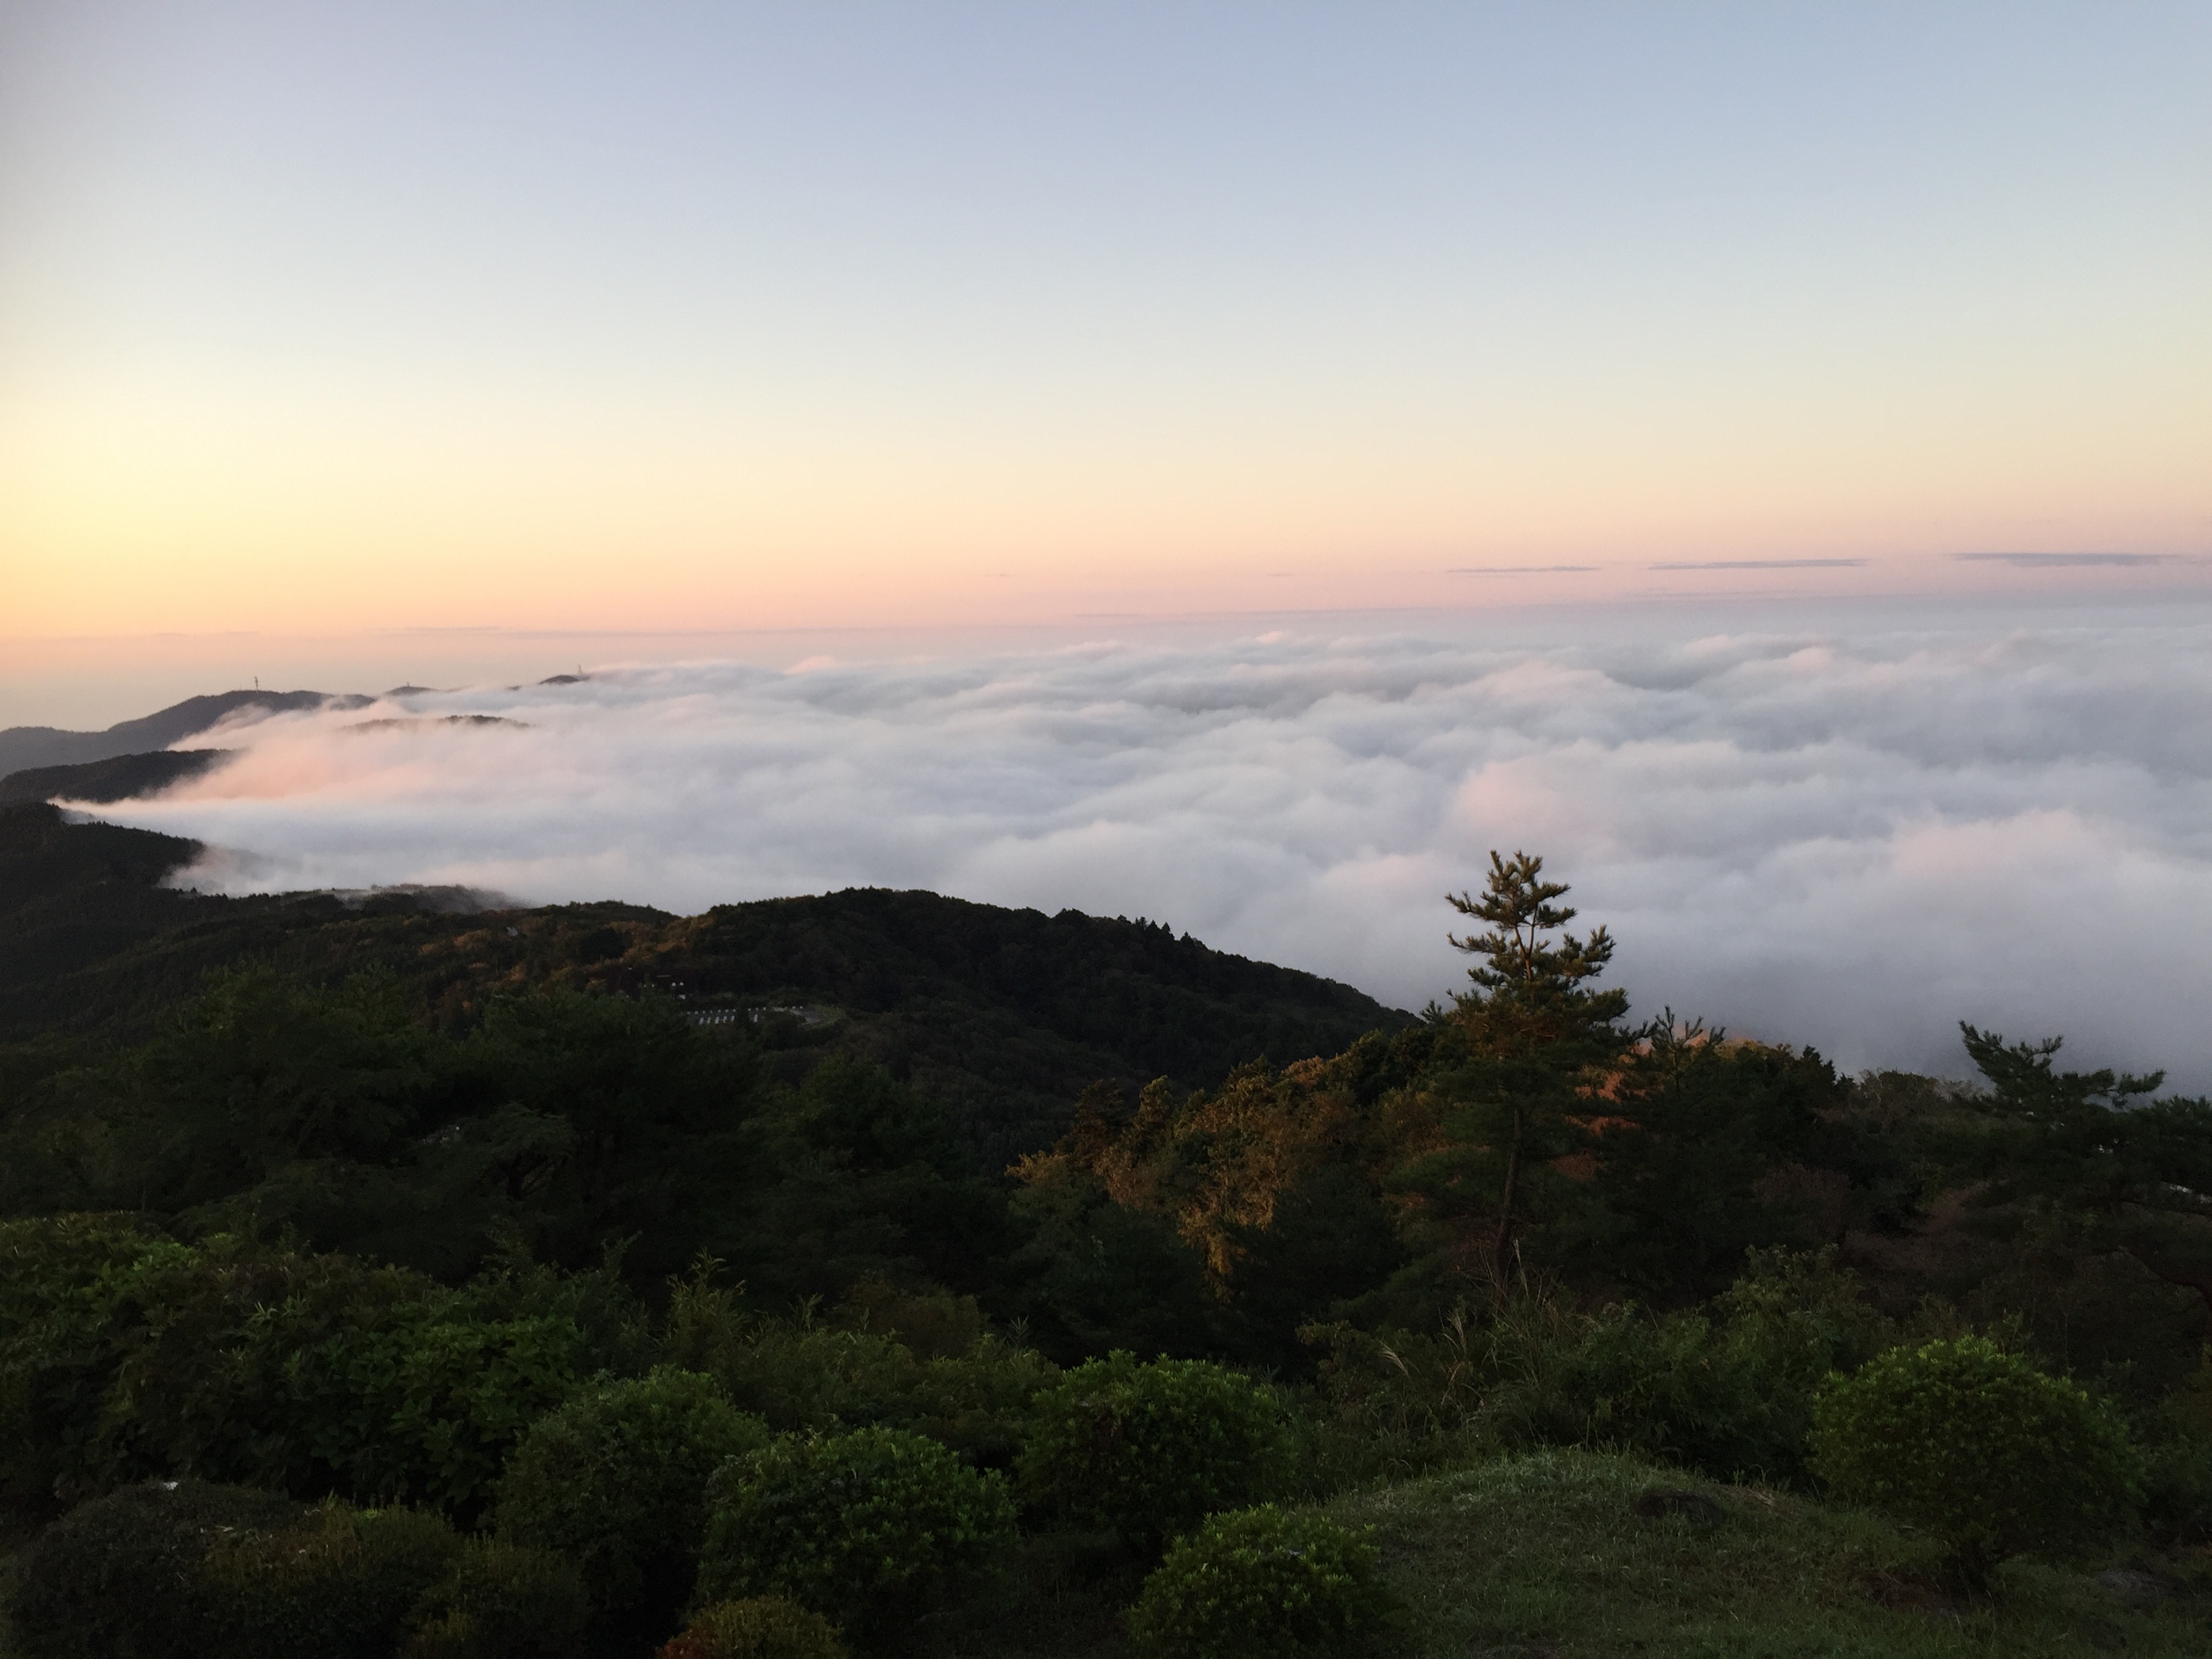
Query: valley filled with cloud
{"type": "Point", "coordinates": [1851, 835]}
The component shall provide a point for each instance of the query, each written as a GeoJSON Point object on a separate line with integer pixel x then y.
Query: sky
{"type": "Point", "coordinates": [323, 319]}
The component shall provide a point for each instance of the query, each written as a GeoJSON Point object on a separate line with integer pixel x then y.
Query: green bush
{"type": "Point", "coordinates": [339, 1585]}
{"type": "Point", "coordinates": [923, 1363]}
{"type": "Point", "coordinates": [2174, 1435]}
{"type": "Point", "coordinates": [428, 1408]}
{"type": "Point", "coordinates": [449, 1635]}
{"type": "Point", "coordinates": [980, 1402]}
{"type": "Point", "coordinates": [764, 1627]}
{"type": "Point", "coordinates": [123, 1574]}
{"type": "Point", "coordinates": [1730, 1396]}
{"type": "Point", "coordinates": [54, 1271]}
{"type": "Point", "coordinates": [125, 1357]}
{"type": "Point", "coordinates": [227, 1572]}
{"type": "Point", "coordinates": [1151, 1450]}
{"type": "Point", "coordinates": [2177, 1492]}
{"type": "Point", "coordinates": [614, 1480]}
{"type": "Point", "coordinates": [149, 1359]}
{"type": "Point", "coordinates": [1727, 1391]}
{"type": "Point", "coordinates": [1974, 1444]}
{"type": "Point", "coordinates": [501, 1601]}
{"type": "Point", "coordinates": [870, 1525]}
{"type": "Point", "coordinates": [803, 1376]}
{"type": "Point", "coordinates": [1257, 1584]}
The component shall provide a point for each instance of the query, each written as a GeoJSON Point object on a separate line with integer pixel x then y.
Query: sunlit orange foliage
{"type": "Point", "coordinates": [1215, 1161]}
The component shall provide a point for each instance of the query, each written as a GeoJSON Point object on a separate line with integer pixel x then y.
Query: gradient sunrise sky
{"type": "Point", "coordinates": [319, 318]}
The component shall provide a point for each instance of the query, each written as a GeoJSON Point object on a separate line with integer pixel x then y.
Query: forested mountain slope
{"type": "Point", "coordinates": [119, 777]}
{"type": "Point", "coordinates": [1000, 1017]}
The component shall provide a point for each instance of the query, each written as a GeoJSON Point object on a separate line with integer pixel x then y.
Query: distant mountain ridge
{"type": "Point", "coordinates": [123, 777]}
{"type": "Point", "coordinates": [24, 746]}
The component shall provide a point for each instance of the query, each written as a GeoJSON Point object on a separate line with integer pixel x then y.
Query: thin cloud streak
{"type": "Point", "coordinates": [1852, 840]}
{"type": "Point", "coordinates": [1767, 564]}
{"type": "Point", "coordinates": [2060, 561]}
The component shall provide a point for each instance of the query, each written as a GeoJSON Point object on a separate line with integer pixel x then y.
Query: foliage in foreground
{"type": "Point", "coordinates": [873, 1526]}
{"type": "Point", "coordinates": [1253, 1584]}
{"type": "Point", "coordinates": [1150, 1450]}
{"type": "Point", "coordinates": [503, 1600]}
{"type": "Point", "coordinates": [123, 1574]}
{"type": "Point", "coordinates": [762, 1627]}
{"type": "Point", "coordinates": [201, 1572]}
{"type": "Point", "coordinates": [615, 1481]}
{"type": "Point", "coordinates": [1725, 1389]}
{"type": "Point", "coordinates": [1988, 1455]}
{"type": "Point", "coordinates": [132, 1356]}
{"type": "Point", "coordinates": [925, 1362]}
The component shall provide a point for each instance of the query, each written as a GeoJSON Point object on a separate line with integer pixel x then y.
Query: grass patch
{"type": "Point", "coordinates": [1546, 1555]}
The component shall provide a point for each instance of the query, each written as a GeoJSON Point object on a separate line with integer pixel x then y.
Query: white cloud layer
{"type": "Point", "coordinates": [1848, 838]}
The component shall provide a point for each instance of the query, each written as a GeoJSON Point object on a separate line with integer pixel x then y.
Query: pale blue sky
{"type": "Point", "coordinates": [925, 296]}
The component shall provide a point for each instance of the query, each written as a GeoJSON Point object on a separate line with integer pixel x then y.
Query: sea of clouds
{"type": "Point", "coordinates": [1851, 836]}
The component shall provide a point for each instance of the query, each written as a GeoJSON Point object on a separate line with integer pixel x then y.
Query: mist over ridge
{"type": "Point", "coordinates": [1848, 838]}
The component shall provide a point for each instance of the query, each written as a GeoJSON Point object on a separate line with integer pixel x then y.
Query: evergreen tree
{"type": "Point", "coordinates": [1531, 1045]}
{"type": "Point", "coordinates": [1532, 990]}
{"type": "Point", "coordinates": [2120, 1169]}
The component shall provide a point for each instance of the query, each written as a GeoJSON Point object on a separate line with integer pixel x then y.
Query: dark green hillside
{"type": "Point", "coordinates": [119, 777]}
{"type": "Point", "coordinates": [994, 1011]}
{"type": "Point", "coordinates": [90, 939]}
{"type": "Point", "coordinates": [1002, 1016]}
{"type": "Point", "coordinates": [74, 899]}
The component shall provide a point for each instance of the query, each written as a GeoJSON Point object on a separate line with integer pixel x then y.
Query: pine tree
{"type": "Point", "coordinates": [1532, 991]}
{"type": "Point", "coordinates": [1535, 1041]}
{"type": "Point", "coordinates": [2126, 1170]}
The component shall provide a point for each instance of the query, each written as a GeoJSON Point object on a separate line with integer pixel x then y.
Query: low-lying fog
{"type": "Point", "coordinates": [1850, 835]}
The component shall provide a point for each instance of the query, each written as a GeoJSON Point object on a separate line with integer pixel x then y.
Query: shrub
{"type": "Point", "coordinates": [616, 1482]}
{"type": "Point", "coordinates": [2174, 1435]}
{"type": "Point", "coordinates": [501, 1601]}
{"type": "Point", "coordinates": [803, 1375]}
{"type": "Point", "coordinates": [1976, 1445]}
{"type": "Point", "coordinates": [56, 1278]}
{"type": "Point", "coordinates": [1731, 1399]}
{"type": "Point", "coordinates": [1151, 1451]}
{"type": "Point", "coordinates": [1257, 1584]}
{"type": "Point", "coordinates": [149, 1358]}
{"type": "Point", "coordinates": [339, 1585]}
{"type": "Point", "coordinates": [122, 1574]}
{"type": "Point", "coordinates": [449, 1635]}
{"type": "Point", "coordinates": [225, 1572]}
{"type": "Point", "coordinates": [764, 1627]}
{"type": "Point", "coordinates": [979, 1402]}
{"type": "Point", "coordinates": [428, 1408]}
{"type": "Point", "coordinates": [1727, 1391]}
{"type": "Point", "coordinates": [923, 1363]}
{"type": "Point", "coordinates": [871, 1524]}
{"type": "Point", "coordinates": [124, 1357]}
